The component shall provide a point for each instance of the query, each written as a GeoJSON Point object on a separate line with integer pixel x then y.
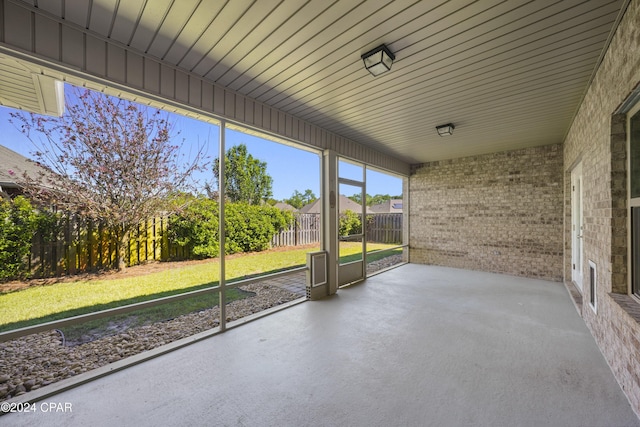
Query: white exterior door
{"type": "Point", "coordinates": [351, 267]}
{"type": "Point", "coordinates": [577, 226]}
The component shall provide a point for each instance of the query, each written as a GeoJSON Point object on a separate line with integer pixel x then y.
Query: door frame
{"type": "Point", "coordinates": [353, 271]}
{"type": "Point", "coordinates": [577, 226]}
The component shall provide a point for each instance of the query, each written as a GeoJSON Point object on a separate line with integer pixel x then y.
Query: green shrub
{"type": "Point", "coordinates": [49, 225]}
{"type": "Point", "coordinates": [249, 228]}
{"type": "Point", "coordinates": [196, 227]}
{"type": "Point", "coordinates": [349, 223]}
{"type": "Point", "coordinates": [18, 223]}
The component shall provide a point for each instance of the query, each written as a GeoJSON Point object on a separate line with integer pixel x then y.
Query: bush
{"type": "Point", "coordinates": [196, 227]}
{"type": "Point", "coordinates": [249, 228]}
{"type": "Point", "coordinates": [349, 223]}
{"type": "Point", "coordinates": [18, 223]}
{"type": "Point", "coordinates": [50, 225]}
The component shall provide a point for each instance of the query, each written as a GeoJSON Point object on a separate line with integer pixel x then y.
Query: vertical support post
{"type": "Point", "coordinates": [363, 220]}
{"type": "Point", "coordinates": [330, 216]}
{"type": "Point", "coordinates": [221, 228]}
{"type": "Point", "coordinates": [405, 219]}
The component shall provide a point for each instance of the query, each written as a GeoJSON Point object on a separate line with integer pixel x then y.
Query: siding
{"type": "Point", "coordinates": [68, 51]}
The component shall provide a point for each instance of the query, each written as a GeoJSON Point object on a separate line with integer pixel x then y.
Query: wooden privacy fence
{"type": "Point", "coordinates": [381, 228]}
{"type": "Point", "coordinates": [81, 244]}
{"type": "Point", "coordinates": [304, 230]}
{"type": "Point", "coordinates": [384, 228]}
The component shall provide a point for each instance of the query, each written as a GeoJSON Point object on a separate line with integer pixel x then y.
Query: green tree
{"type": "Point", "coordinates": [373, 200]}
{"type": "Point", "coordinates": [298, 199]}
{"type": "Point", "coordinates": [377, 199]}
{"type": "Point", "coordinates": [356, 198]}
{"type": "Point", "coordinates": [246, 178]}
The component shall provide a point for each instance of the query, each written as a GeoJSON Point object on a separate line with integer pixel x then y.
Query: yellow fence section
{"type": "Point", "coordinates": [85, 245]}
{"type": "Point", "coordinates": [82, 245]}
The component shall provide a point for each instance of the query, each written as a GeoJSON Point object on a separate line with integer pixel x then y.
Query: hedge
{"type": "Point", "coordinates": [18, 223]}
{"type": "Point", "coordinates": [249, 228]}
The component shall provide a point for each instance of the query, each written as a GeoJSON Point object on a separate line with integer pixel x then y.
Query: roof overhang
{"type": "Point", "coordinates": [27, 90]}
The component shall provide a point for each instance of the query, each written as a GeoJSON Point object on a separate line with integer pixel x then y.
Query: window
{"type": "Point", "coordinates": [633, 133]}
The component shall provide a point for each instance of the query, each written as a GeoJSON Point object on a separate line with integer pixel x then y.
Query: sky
{"type": "Point", "coordinates": [291, 168]}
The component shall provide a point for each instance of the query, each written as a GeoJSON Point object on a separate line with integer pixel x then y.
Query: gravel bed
{"type": "Point", "coordinates": [37, 360]}
{"type": "Point", "coordinates": [383, 263]}
{"type": "Point", "coordinates": [34, 361]}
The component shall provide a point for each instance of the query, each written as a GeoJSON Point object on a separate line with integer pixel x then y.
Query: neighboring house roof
{"type": "Point", "coordinates": [390, 206]}
{"type": "Point", "coordinates": [313, 207]}
{"type": "Point", "coordinates": [285, 207]}
{"type": "Point", "coordinates": [345, 204]}
{"type": "Point", "coordinates": [12, 166]}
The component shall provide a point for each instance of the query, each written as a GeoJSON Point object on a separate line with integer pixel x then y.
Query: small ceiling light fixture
{"type": "Point", "coordinates": [378, 60]}
{"type": "Point", "coordinates": [445, 130]}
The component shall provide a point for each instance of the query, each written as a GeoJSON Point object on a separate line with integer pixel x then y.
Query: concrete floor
{"type": "Point", "coordinates": [415, 346]}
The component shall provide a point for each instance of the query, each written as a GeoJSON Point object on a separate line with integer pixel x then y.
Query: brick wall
{"type": "Point", "coordinates": [500, 212]}
{"type": "Point", "coordinates": [597, 139]}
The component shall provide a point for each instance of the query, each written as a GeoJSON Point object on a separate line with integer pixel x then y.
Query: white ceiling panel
{"type": "Point", "coordinates": [173, 25]}
{"type": "Point", "coordinates": [126, 20]}
{"type": "Point", "coordinates": [102, 15]}
{"type": "Point", "coordinates": [76, 11]}
{"type": "Point", "coordinates": [249, 44]}
{"type": "Point", "coordinates": [198, 23]}
{"type": "Point", "coordinates": [223, 24]}
{"type": "Point", "coordinates": [51, 6]}
{"type": "Point", "coordinates": [247, 24]}
{"type": "Point", "coordinates": [508, 74]}
{"type": "Point", "coordinates": [153, 14]}
{"type": "Point", "coordinates": [308, 45]}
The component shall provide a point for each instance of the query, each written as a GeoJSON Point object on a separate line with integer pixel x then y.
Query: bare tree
{"type": "Point", "coordinates": [109, 159]}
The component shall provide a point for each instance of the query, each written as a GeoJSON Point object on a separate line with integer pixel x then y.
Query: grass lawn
{"type": "Point", "coordinates": [46, 303]}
